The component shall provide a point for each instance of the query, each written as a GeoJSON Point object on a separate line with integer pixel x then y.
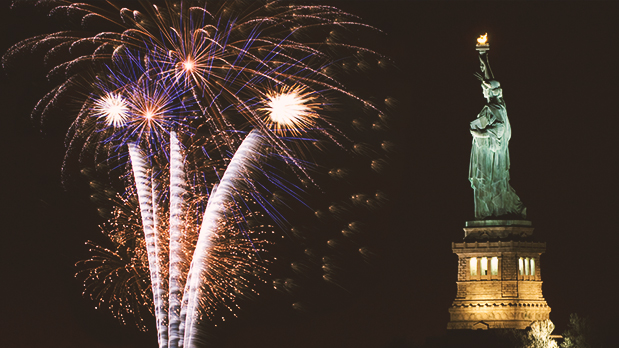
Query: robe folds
{"type": "Point", "coordinates": [489, 163]}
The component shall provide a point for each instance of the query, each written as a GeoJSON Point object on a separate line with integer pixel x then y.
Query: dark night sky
{"type": "Point", "coordinates": [557, 63]}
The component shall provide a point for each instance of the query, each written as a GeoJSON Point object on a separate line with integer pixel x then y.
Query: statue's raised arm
{"type": "Point", "coordinates": [489, 165]}
{"type": "Point", "coordinates": [484, 66]}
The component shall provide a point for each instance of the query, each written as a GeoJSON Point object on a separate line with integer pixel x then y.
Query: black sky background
{"type": "Point", "coordinates": [557, 63]}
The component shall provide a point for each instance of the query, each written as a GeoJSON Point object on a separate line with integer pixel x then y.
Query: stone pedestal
{"type": "Point", "coordinates": [499, 277]}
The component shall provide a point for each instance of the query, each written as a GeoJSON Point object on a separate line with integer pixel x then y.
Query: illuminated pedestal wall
{"type": "Point", "coordinates": [499, 279]}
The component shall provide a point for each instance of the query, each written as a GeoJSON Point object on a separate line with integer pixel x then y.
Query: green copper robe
{"type": "Point", "coordinates": [489, 166]}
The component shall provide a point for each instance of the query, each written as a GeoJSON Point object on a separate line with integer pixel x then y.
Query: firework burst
{"type": "Point", "coordinates": [113, 108]}
{"type": "Point", "coordinates": [213, 117]}
{"type": "Point", "coordinates": [291, 111]}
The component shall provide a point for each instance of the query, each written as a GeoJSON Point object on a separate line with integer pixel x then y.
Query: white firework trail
{"type": "Point", "coordinates": [177, 256]}
{"type": "Point", "coordinates": [162, 296]}
{"type": "Point", "coordinates": [144, 186]}
{"type": "Point", "coordinates": [222, 194]}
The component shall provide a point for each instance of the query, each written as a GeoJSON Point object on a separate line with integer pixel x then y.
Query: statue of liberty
{"type": "Point", "coordinates": [489, 166]}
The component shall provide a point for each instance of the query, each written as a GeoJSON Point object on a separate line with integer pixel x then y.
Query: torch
{"type": "Point", "coordinates": [483, 47]}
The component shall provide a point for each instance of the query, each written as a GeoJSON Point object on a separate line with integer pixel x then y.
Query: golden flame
{"type": "Point", "coordinates": [483, 39]}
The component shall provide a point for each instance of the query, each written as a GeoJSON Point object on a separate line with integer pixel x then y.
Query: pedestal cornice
{"type": "Point", "coordinates": [498, 230]}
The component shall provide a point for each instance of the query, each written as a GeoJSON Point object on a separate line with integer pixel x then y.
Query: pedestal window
{"type": "Point", "coordinates": [494, 266]}
{"type": "Point", "coordinates": [484, 266]}
{"type": "Point", "coordinates": [473, 266]}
